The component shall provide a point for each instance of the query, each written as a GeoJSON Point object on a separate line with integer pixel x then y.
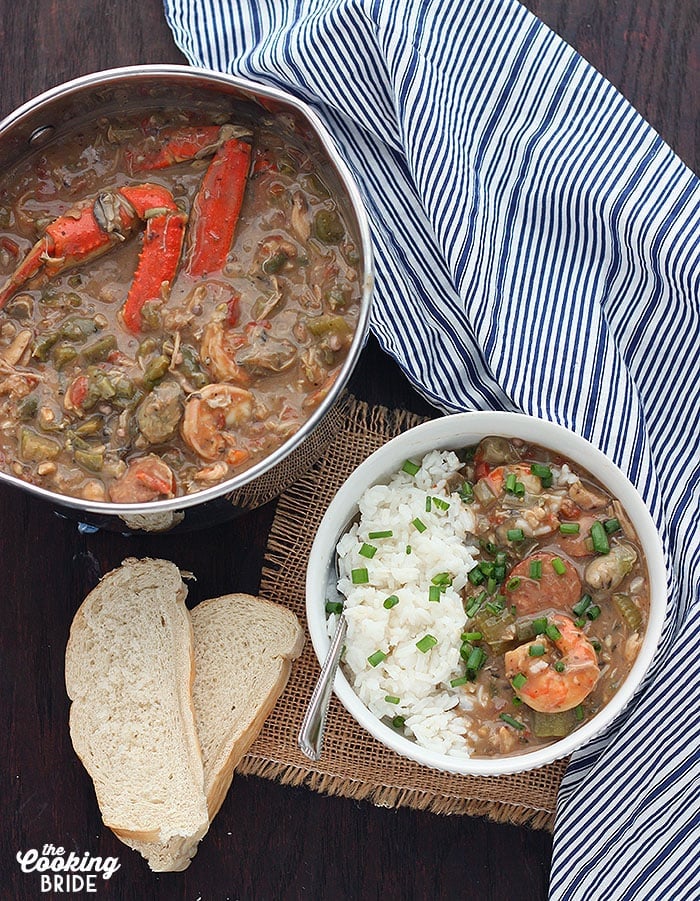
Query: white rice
{"type": "Point", "coordinates": [436, 715]}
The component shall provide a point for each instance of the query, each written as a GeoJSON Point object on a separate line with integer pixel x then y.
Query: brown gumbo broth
{"type": "Point", "coordinates": [222, 368]}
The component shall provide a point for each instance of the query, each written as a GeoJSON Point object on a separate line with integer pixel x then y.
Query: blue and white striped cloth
{"type": "Point", "coordinates": [537, 250]}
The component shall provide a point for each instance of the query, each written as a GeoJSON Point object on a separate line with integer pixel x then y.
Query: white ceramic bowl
{"type": "Point", "coordinates": [451, 433]}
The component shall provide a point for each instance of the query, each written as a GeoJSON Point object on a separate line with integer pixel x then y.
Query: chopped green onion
{"type": "Point", "coordinates": [428, 504]}
{"type": "Point", "coordinates": [517, 701]}
{"type": "Point", "coordinates": [496, 605]}
{"type": "Point", "coordinates": [569, 528]}
{"type": "Point", "coordinates": [539, 625]}
{"type": "Point", "coordinates": [460, 680]}
{"type": "Point", "coordinates": [560, 666]}
{"type": "Point", "coordinates": [441, 504]}
{"type": "Point", "coordinates": [474, 604]}
{"type": "Point", "coordinates": [558, 566]}
{"type": "Point", "coordinates": [425, 643]}
{"type": "Point", "coordinates": [367, 550]}
{"type": "Point", "coordinates": [515, 534]}
{"type": "Point", "coordinates": [475, 576]}
{"type": "Point", "coordinates": [599, 537]}
{"type": "Point", "coordinates": [391, 601]}
{"type": "Point", "coordinates": [386, 534]}
{"type": "Point", "coordinates": [398, 722]}
{"type": "Point", "coordinates": [580, 622]}
{"type": "Point", "coordinates": [466, 493]}
{"type": "Point", "coordinates": [552, 632]}
{"type": "Point", "coordinates": [376, 658]}
{"type": "Point", "coordinates": [581, 606]}
{"type": "Point", "coordinates": [612, 525]}
{"type": "Point", "coordinates": [434, 593]}
{"type": "Point", "coordinates": [419, 524]}
{"type": "Point", "coordinates": [487, 567]}
{"type": "Point", "coordinates": [471, 636]}
{"type": "Point", "coordinates": [513, 583]}
{"type": "Point", "coordinates": [596, 645]}
{"type": "Point", "coordinates": [536, 650]}
{"type": "Point", "coordinates": [491, 585]}
{"type": "Point", "coordinates": [410, 467]}
{"type": "Point", "coordinates": [442, 579]}
{"type": "Point", "coordinates": [544, 473]}
{"type": "Point", "coordinates": [510, 483]}
{"type": "Point", "coordinates": [593, 612]}
{"type": "Point", "coordinates": [519, 490]}
{"type": "Point", "coordinates": [334, 607]}
{"type": "Point", "coordinates": [518, 680]}
{"type": "Point", "coordinates": [507, 718]}
{"type": "Point", "coordinates": [408, 548]}
{"type": "Point", "coordinates": [475, 660]}
{"type": "Point", "coordinates": [579, 712]}
{"type": "Point", "coordinates": [535, 569]}
{"type": "Point", "coordinates": [359, 576]}
{"type": "Point", "coordinates": [392, 699]}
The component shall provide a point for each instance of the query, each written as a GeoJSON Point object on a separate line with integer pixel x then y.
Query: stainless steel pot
{"type": "Point", "coordinates": [60, 110]}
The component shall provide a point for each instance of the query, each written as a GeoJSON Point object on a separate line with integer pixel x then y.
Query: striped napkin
{"type": "Point", "coordinates": [537, 250]}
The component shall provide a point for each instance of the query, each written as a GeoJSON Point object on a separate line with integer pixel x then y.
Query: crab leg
{"type": "Point", "coordinates": [216, 208]}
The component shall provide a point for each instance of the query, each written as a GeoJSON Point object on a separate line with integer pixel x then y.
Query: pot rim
{"type": "Point", "coordinates": [208, 78]}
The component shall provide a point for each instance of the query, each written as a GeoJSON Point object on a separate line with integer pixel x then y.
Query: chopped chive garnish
{"type": "Point", "coordinates": [496, 605]}
{"type": "Point", "coordinates": [470, 636]}
{"type": "Point", "coordinates": [376, 658]}
{"type": "Point", "coordinates": [368, 550]}
{"type": "Point", "coordinates": [536, 650]}
{"type": "Point", "coordinates": [460, 680]}
{"type": "Point", "coordinates": [580, 622]}
{"type": "Point", "coordinates": [466, 493]}
{"type": "Point", "coordinates": [599, 537]}
{"type": "Point", "coordinates": [513, 583]}
{"type": "Point", "coordinates": [499, 572]}
{"type": "Point", "coordinates": [419, 524]}
{"type": "Point", "coordinates": [510, 483]}
{"type": "Point", "coordinates": [518, 680]}
{"type": "Point", "coordinates": [410, 467]}
{"type": "Point", "coordinates": [535, 569]}
{"type": "Point", "coordinates": [581, 606]}
{"type": "Point", "coordinates": [560, 666]}
{"type": "Point", "coordinates": [359, 576]}
{"type": "Point", "coordinates": [558, 566]}
{"type": "Point", "coordinates": [408, 548]}
{"type": "Point", "coordinates": [425, 643]}
{"type": "Point", "coordinates": [474, 604]}
{"type": "Point", "coordinates": [544, 473]}
{"type": "Point", "coordinates": [515, 534]}
{"type": "Point", "coordinates": [612, 525]}
{"type": "Point", "coordinates": [501, 558]}
{"type": "Point", "coordinates": [507, 718]}
{"type": "Point", "coordinates": [487, 567]}
{"type": "Point", "coordinates": [519, 490]}
{"type": "Point", "coordinates": [579, 712]}
{"type": "Point", "coordinates": [385, 534]}
{"type": "Point", "coordinates": [442, 579]}
{"type": "Point", "coordinates": [398, 722]}
{"type": "Point", "coordinates": [491, 585]}
{"type": "Point", "coordinates": [552, 632]}
{"type": "Point", "coordinates": [391, 601]}
{"type": "Point", "coordinates": [334, 607]}
{"type": "Point", "coordinates": [441, 504]}
{"type": "Point", "coordinates": [475, 576]}
{"type": "Point", "coordinates": [392, 699]}
{"type": "Point", "coordinates": [569, 528]}
{"type": "Point", "coordinates": [434, 593]}
{"type": "Point", "coordinates": [428, 504]}
{"type": "Point", "coordinates": [539, 625]}
{"type": "Point", "coordinates": [596, 645]}
{"type": "Point", "coordinates": [475, 660]}
{"type": "Point", "coordinates": [593, 612]}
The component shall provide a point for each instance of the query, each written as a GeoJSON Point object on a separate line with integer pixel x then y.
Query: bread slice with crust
{"type": "Point", "coordinates": [244, 647]}
{"type": "Point", "coordinates": [129, 675]}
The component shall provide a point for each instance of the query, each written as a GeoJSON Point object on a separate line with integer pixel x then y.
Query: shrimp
{"type": "Point", "coordinates": [211, 417]}
{"type": "Point", "coordinates": [562, 677]}
{"type": "Point", "coordinates": [217, 352]}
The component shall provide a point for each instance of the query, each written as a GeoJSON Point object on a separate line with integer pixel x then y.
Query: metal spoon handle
{"type": "Point", "coordinates": [311, 731]}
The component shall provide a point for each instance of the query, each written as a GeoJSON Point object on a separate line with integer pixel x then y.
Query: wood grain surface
{"type": "Point", "coordinates": [269, 841]}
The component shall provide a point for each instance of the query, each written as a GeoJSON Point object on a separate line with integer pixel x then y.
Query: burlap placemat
{"type": "Point", "coordinates": [354, 764]}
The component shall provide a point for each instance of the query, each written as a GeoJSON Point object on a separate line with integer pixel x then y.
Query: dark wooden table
{"type": "Point", "coordinates": [269, 841]}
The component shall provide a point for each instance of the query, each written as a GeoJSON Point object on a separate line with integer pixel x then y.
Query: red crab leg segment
{"type": "Point", "coordinates": [216, 208]}
{"type": "Point", "coordinates": [162, 246]}
{"type": "Point", "coordinates": [71, 240]}
{"type": "Point", "coordinates": [176, 146]}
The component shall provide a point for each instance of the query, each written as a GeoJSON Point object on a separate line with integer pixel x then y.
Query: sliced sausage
{"type": "Point", "coordinates": [550, 591]}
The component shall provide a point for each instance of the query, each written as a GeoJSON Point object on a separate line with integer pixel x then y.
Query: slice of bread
{"type": "Point", "coordinates": [244, 647]}
{"type": "Point", "coordinates": [129, 674]}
